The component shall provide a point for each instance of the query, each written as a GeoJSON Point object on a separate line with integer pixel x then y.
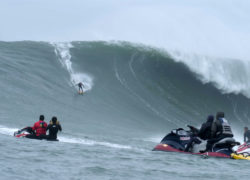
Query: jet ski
{"type": "Point", "coordinates": [243, 152]}
{"type": "Point", "coordinates": [177, 140]}
{"type": "Point", "coordinates": [22, 133]}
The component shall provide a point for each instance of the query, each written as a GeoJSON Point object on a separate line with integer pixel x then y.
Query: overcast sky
{"type": "Point", "coordinates": [216, 27]}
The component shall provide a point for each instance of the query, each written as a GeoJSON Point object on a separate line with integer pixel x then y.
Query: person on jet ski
{"type": "Point", "coordinates": [39, 128]}
{"type": "Point", "coordinates": [205, 131]}
{"type": "Point", "coordinates": [220, 130]}
{"type": "Point", "coordinates": [53, 128]}
{"type": "Point", "coordinates": [246, 135]}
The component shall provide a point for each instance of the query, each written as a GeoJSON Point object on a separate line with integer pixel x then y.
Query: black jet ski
{"type": "Point", "coordinates": [177, 140]}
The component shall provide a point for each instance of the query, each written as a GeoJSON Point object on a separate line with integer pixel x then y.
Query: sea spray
{"type": "Point", "coordinates": [228, 75]}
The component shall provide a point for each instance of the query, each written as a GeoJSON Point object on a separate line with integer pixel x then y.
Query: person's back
{"type": "Point", "coordinates": [40, 127]}
{"type": "Point", "coordinates": [246, 135]}
{"type": "Point", "coordinates": [205, 131]}
{"type": "Point", "coordinates": [223, 129]}
{"type": "Point", "coordinates": [220, 130]}
{"type": "Point", "coordinates": [53, 128]}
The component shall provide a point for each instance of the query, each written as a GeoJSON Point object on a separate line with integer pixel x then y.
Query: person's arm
{"type": "Point", "coordinates": [60, 127]}
{"type": "Point", "coordinates": [48, 127]}
{"type": "Point", "coordinates": [244, 137]}
{"type": "Point", "coordinates": [34, 127]}
{"type": "Point", "coordinates": [201, 131]}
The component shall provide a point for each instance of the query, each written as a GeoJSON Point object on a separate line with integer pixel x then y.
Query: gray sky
{"type": "Point", "coordinates": [213, 27]}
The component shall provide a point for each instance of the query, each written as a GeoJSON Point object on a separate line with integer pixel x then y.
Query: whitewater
{"type": "Point", "coordinates": [147, 67]}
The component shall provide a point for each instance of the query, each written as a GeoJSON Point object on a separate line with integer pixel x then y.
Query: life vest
{"type": "Point", "coordinates": [40, 128]}
{"type": "Point", "coordinates": [226, 128]}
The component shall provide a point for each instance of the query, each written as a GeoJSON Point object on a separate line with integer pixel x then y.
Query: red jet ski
{"type": "Point", "coordinates": [28, 131]}
{"type": "Point", "coordinates": [24, 132]}
{"type": "Point", "coordinates": [177, 140]}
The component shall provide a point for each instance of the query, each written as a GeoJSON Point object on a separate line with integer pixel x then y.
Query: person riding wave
{"type": "Point", "coordinates": [80, 86]}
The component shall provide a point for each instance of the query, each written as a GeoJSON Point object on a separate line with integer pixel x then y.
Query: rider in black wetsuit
{"type": "Point", "coordinates": [80, 85]}
{"type": "Point", "coordinates": [205, 131]}
{"type": "Point", "coordinates": [220, 130]}
{"type": "Point", "coordinates": [246, 135]}
{"type": "Point", "coordinates": [53, 128]}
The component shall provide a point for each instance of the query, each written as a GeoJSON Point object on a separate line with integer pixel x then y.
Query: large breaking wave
{"type": "Point", "coordinates": [130, 87]}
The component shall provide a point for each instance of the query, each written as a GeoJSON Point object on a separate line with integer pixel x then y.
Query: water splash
{"type": "Point", "coordinates": [62, 51]}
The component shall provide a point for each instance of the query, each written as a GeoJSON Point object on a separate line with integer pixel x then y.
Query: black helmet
{"type": "Point", "coordinates": [220, 115]}
{"type": "Point", "coordinates": [54, 120]}
{"type": "Point", "coordinates": [210, 118]}
{"type": "Point", "coordinates": [41, 117]}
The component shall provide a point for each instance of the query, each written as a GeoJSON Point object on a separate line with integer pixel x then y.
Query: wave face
{"type": "Point", "coordinates": [128, 87]}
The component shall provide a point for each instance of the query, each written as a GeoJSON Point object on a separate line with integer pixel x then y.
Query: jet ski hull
{"type": "Point", "coordinates": [28, 131]}
{"type": "Point", "coordinates": [243, 152]}
{"type": "Point", "coordinates": [169, 148]}
{"type": "Point", "coordinates": [240, 156]}
{"type": "Point", "coordinates": [178, 140]}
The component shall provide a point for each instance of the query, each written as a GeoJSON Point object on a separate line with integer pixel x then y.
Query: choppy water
{"type": "Point", "coordinates": [134, 96]}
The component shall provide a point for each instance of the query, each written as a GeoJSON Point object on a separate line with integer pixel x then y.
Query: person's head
{"type": "Point", "coordinates": [245, 129]}
{"type": "Point", "coordinates": [54, 120]}
{"type": "Point", "coordinates": [220, 115]}
{"type": "Point", "coordinates": [41, 118]}
{"type": "Point", "coordinates": [210, 118]}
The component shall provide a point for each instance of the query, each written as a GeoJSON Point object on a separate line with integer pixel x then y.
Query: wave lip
{"type": "Point", "coordinates": [228, 75]}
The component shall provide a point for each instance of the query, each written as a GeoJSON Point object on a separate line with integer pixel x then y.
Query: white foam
{"type": "Point", "coordinates": [7, 131]}
{"type": "Point", "coordinates": [92, 142]}
{"type": "Point", "coordinates": [228, 75]}
{"type": "Point", "coordinates": [62, 51]}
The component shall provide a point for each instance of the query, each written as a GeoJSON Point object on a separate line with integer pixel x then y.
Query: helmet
{"type": "Point", "coordinates": [54, 120]}
{"type": "Point", "coordinates": [41, 117]}
{"type": "Point", "coordinates": [220, 115]}
{"type": "Point", "coordinates": [210, 118]}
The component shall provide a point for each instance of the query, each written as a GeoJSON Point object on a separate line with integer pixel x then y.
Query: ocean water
{"type": "Point", "coordinates": [134, 95]}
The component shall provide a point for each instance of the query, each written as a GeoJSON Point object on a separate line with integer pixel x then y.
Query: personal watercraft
{"type": "Point", "coordinates": [28, 131]}
{"type": "Point", "coordinates": [177, 140]}
{"type": "Point", "coordinates": [24, 132]}
{"type": "Point", "coordinates": [243, 152]}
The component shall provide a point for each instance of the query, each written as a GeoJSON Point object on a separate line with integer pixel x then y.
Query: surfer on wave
{"type": "Point", "coordinates": [80, 86]}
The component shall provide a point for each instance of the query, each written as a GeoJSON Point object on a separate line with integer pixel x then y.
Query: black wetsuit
{"type": "Point", "coordinates": [219, 135]}
{"type": "Point", "coordinates": [53, 130]}
{"type": "Point", "coordinates": [206, 130]}
{"type": "Point", "coordinates": [247, 136]}
{"type": "Point", "coordinates": [80, 85]}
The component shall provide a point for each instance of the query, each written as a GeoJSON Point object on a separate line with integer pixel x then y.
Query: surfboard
{"type": "Point", "coordinates": [81, 93]}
